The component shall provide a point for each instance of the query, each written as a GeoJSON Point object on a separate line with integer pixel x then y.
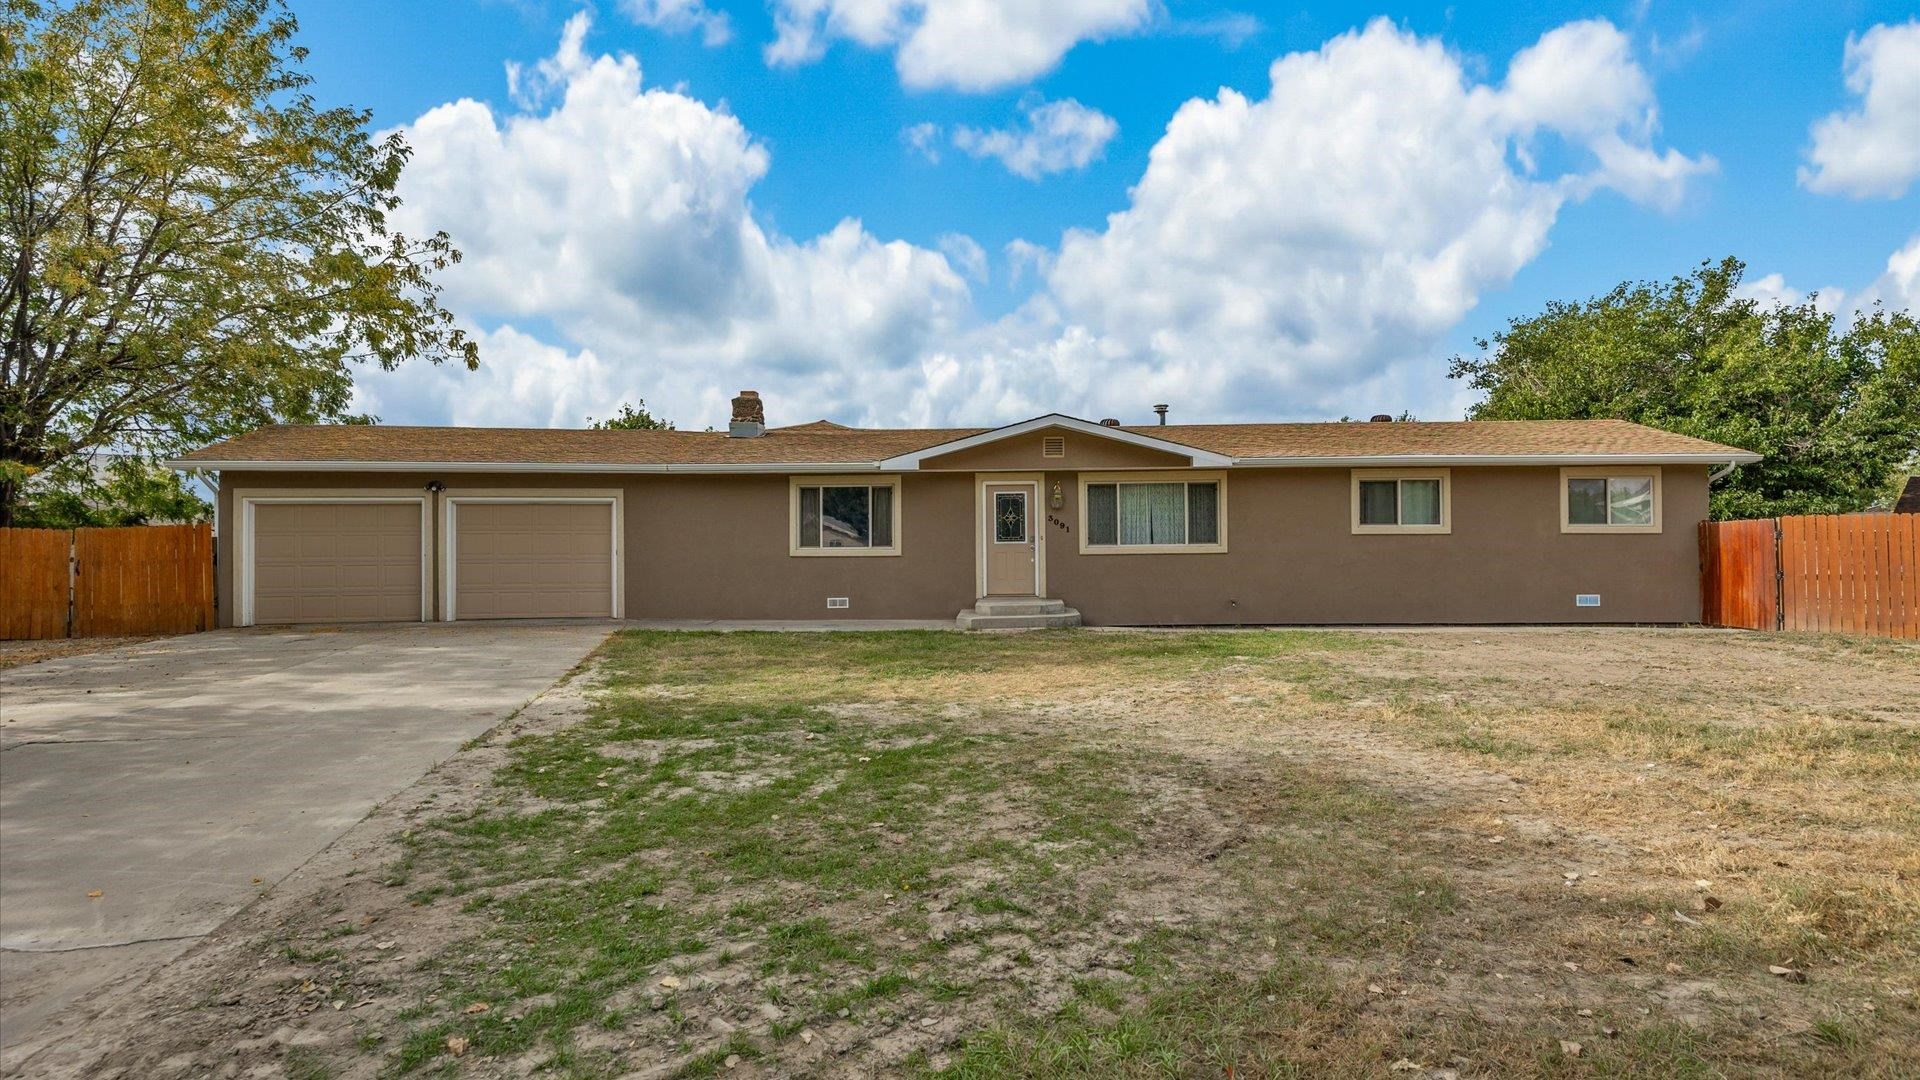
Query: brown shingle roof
{"type": "Point", "coordinates": [822, 442]}
{"type": "Point", "coordinates": [1449, 437]}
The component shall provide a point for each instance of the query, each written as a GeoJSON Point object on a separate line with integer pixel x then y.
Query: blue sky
{"type": "Point", "coordinates": [1256, 272]}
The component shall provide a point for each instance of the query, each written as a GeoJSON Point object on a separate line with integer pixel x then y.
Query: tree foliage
{"type": "Point", "coordinates": [1833, 404]}
{"type": "Point", "coordinates": [126, 491]}
{"type": "Point", "coordinates": [191, 246]}
{"type": "Point", "coordinates": [632, 418]}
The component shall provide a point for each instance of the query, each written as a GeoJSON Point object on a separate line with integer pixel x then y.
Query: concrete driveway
{"type": "Point", "coordinates": [178, 778]}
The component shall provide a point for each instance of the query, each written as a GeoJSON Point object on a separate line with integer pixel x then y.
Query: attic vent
{"type": "Point", "coordinates": [1053, 446]}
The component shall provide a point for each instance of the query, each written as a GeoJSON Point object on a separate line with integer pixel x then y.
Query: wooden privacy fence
{"type": "Point", "coordinates": [146, 579]}
{"type": "Point", "coordinates": [1845, 573]}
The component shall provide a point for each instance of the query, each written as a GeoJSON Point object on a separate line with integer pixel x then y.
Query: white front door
{"type": "Point", "coordinates": [1009, 539]}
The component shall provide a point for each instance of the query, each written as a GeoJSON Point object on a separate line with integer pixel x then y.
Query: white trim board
{"type": "Point", "coordinates": [1200, 458]}
{"type": "Point", "coordinates": [246, 499]}
{"type": "Point", "coordinates": [449, 538]}
{"type": "Point", "coordinates": [555, 467]}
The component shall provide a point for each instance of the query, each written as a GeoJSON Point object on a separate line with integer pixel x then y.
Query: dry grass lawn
{"type": "Point", "coordinates": [1448, 853]}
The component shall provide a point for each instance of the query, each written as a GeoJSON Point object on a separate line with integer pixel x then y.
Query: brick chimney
{"type": "Point", "coordinates": [749, 416]}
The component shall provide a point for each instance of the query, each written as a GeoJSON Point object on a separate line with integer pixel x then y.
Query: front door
{"type": "Point", "coordinates": [1009, 540]}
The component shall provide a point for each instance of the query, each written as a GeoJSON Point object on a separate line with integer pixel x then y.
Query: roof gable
{"type": "Point", "coordinates": [1193, 455]}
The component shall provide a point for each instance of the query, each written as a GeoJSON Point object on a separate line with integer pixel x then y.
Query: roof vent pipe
{"type": "Point", "coordinates": [749, 416]}
{"type": "Point", "coordinates": [1161, 412]}
{"type": "Point", "coordinates": [1380, 418]}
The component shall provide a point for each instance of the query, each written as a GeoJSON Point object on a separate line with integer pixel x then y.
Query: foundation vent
{"type": "Point", "coordinates": [838, 603]}
{"type": "Point", "coordinates": [1053, 446]}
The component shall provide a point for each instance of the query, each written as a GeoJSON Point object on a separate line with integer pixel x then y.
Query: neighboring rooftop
{"type": "Point", "coordinates": [823, 443]}
{"type": "Point", "coordinates": [1909, 501]}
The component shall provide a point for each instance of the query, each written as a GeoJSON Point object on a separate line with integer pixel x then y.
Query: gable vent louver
{"type": "Point", "coordinates": [1053, 446]}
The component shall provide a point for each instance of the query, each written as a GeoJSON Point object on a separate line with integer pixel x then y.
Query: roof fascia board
{"type": "Point", "coordinates": [910, 462]}
{"type": "Point", "coordinates": [1199, 457]}
{"type": "Point", "coordinates": [1739, 457]}
{"type": "Point", "coordinates": [185, 465]}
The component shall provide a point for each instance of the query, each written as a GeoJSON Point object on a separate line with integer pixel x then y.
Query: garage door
{"type": "Point", "coordinates": [336, 562]}
{"type": "Point", "coordinates": [533, 560]}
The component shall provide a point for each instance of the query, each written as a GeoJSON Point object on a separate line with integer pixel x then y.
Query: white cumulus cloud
{"type": "Point", "coordinates": [964, 252]}
{"type": "Point", "coordinates": [956, 44]}
{"type": "Point", "coordinates": [923, 139]}
{"type": "Point", "coordinates": [619, 217]}
{"type": "Point", "coordinates": [681, 16]}
{"type": "Point", "coordinates": [1057, 136]}
{"type": "Point", "coordinates": [1896, 289]}
{"type": "Point", "coordinates": [1874, 149]}
{"type": "Point", "coordinates": [1294, 254]}
{"type": "Point", "coordinates": [1305, 253]}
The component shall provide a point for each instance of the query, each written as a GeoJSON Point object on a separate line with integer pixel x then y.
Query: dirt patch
{"type": "Point", "coordinates": [15, 654]}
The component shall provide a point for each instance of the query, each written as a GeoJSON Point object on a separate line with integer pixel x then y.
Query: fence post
{"type": "Point", "coordinates": [1779, 581]}
{"type": "Point", "coordinates": [73, 572]}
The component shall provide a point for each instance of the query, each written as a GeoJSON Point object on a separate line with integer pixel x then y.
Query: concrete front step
{"type": "Point", "coordinates": [1018, 605]}
{"type": "Point", "coordinates": [1052, 620]}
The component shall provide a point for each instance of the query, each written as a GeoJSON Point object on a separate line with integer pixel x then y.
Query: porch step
{"type": "Point", "coordinates": [1017, 613]}
{"type": "Point", "coordinates": [1018, 605]}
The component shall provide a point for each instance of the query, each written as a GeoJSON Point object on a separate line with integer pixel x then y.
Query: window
{"type": "Point", "coordinates": [1010, 517]}
{"type": "Point", "coordinates": [838, 516]}
{"type": "Point", "coordinates": [1402, 501]}
{"type": "Point", "coordinates": [1132, 513]}
{"type": "Point", "coordinates": [1624, 501]}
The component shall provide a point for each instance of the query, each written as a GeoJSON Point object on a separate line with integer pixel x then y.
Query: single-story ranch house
{"type": "Point", "coordinates": [1580, 521]}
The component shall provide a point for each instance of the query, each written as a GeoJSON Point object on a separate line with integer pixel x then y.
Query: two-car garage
{"type": "Point", "coordinates": [391, 556]}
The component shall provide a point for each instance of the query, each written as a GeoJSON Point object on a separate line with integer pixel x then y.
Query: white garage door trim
{"type": "Point", "coordinates": [450, 540]}
{"type": "Point", "coordinates": [246, 500]}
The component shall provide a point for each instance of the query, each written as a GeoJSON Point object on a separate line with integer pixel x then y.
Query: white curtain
{"type": "Point", "coordinates": [1153, 513]}
{"type": "Point", "coordinates": [1419, 502]}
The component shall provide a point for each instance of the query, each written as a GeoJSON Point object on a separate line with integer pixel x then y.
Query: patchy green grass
{"type": "Point", "coordinates": [1094, 854]}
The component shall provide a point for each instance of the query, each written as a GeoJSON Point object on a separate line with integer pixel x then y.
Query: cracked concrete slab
{"type": "Point", "coordinates": [178, 778]}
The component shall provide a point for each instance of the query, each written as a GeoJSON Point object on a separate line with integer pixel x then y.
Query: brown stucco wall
{"type": "Point", "coordinates": [716, 547]}
{"type": "Point", "coordinates": [1292, 558]}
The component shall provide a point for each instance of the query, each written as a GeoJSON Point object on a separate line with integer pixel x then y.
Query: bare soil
{"type": "Point", "coordinates": [19, 653]}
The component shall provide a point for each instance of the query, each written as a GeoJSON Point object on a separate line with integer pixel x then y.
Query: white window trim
{"type": "Point", "coordinates": [1445, 476]}
{"type": "Point", "coordinates": [794, 484]}
{"type": "Point", "coordinates": [1142, 476]}
{"type": "Point", "coordinates": [1610, 474]}
{"type": "Point", "coordinates": [450, 500]}
{"type": "Point", "coordinates": [245, 500]}
{"type": "Point", "coordinates": [983, 522]}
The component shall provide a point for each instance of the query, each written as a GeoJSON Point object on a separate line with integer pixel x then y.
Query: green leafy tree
{"type": "Point", "coordinates": [1834, 405]}
{"type": "Point", "coordinates": [191, 246]}
{"type": "Point", "coordinates": [127, 491]}
{"type": "Point", "coordinates": [632, 418]}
